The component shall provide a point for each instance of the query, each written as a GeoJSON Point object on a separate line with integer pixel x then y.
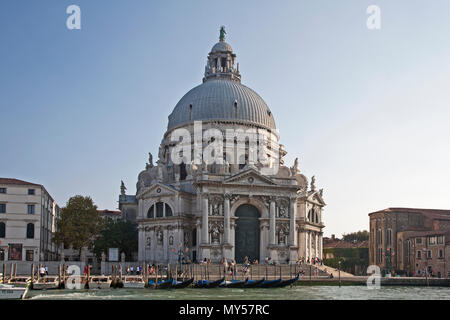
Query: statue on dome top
{"type": "Point", "coordinates": [222, 33]}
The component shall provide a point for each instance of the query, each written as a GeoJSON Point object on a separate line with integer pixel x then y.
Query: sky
{"type": "Point", "coordinates": [366, 111]}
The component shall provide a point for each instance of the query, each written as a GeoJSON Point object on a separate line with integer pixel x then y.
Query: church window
{"type": "Point", "coordinates": [162, 210]}
{"type": "Point", "coordinates": [190, 112]}
{"type": "Point", "coordinates": [388, 237]}
{"type": "Point", "coordinates": [159, 209]}
{"type": "Point", "coordinates": [151, 212]}
{"type": "Point", "coordinates": [168, 210]}
{"type": "Point", "coordinates": [171, 240]}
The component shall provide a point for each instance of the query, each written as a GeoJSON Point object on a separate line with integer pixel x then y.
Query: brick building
{"type": "Point", "coordinates": [411, 241]}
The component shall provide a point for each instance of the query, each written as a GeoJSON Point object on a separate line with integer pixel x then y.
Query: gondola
{"type": "Point", "coordinates": [253, 283]}
{"type": "Point", "coordinates": [234, 283]}
{"type": "Point", "coordinates": [286, 283]}
{"type": "Point", "coordinates": [182, 284]}
{"type": "Point", "coordinates": [160, 284]}
{"type": "Point", "coordinates": [208, 284]}
{"type": "Point", "coordinates": [269, 283]}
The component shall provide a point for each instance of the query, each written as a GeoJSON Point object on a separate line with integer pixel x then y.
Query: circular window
{"type": "Point", "coordinates": [158, 190]}
{"type": "Point", "coordinates": [251, 179]}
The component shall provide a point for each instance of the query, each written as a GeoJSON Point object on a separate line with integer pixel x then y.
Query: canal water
{"type": "Point", "coordinates": [294, 293]}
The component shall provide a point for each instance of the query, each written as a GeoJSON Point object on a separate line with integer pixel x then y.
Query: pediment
{"type": "Point", "coordinates": [158, 190]}
{"type": "Point", "coordinates": [250, 177]}
{"type": "Point", "coordinates": [316, 197]}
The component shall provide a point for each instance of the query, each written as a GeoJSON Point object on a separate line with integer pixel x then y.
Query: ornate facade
{"type": "Point", "coordinates": [215, 210]}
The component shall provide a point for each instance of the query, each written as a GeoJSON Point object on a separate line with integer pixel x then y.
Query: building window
{"type": "Point", "coordinates": [440, 240]}
{"type": "Point", "coordinates": [151, 212]}
{"type": "Point", "coordinates": [162, 210]}
{"type": "Point", "coordinates": [379, 255]}
{"type": "Point", "coordinates": [168, 210]}
{"type": "Point", "coordinates": [388, 237]}
{"type": "Point", "coordinates": [30, 231]}
{"type": "Point", "coordinates": [29, 255]}
{"type": "Point", "coordinates": [2, 230]}
{"type": "Point", "coordinates": [441, 254]}
{"type": "Point", "coordinates": [31, 209]}
{"type": "Point", "coordinates": [419, 255]}
{"type": "Point", "coordinates": [31, 192]}
{"type": "Point", "coordinates": [429, 255]}
{"type": "Point", "coordinates": [419, 240]}
{"type": "Point", "coordinates": [2, 190]}
{"type": "Point", "coordinates": [431, 240]}
{"type": "Point", "coordinates": [379, 236]}
{"type": "Point", "coordinates": [2, 255]}
{"type": "Point", "coordinates": [2, 207]}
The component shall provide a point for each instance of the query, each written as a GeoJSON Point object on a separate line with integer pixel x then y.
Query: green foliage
{"type": "Point", "coordinates": [78, 223]}
{"type": "Point", "coordinates": [359, 236]}
{"type": "Point", "coordinates": [117, 234]}
{"type": "Point", "coordinates": [349, 257]}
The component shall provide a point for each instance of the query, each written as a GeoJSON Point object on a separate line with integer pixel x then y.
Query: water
{"type": "Point", "coordinates": [294, 293]}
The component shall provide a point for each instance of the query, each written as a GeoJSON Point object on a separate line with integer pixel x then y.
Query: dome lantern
{"type": "Point", "coordinates": [221, 61]}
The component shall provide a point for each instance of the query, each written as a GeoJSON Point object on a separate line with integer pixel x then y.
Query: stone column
{"type": "Point", "coordinates": [205, 236]}
{"type": "Point", "coordinates": [292, 215]}
{"type": "Point", "coordinates": [317, 246]}
{"type": "Point", "coordinates": [272, 221]}
{"type": "Point", "coordinates": [142, 243]}
{"type": "Point", "coordinates": [226, 224]}
{"type": "Point", "coordinates": [165, 244]}
{"type": "Point", "coordinates": [320, 246]}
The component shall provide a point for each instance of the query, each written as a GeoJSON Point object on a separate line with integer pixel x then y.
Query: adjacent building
{"type": "Point", "coordinates": [414, 242]}
{"type": "Point", "coordinates": [227, 209]}
{"type": "Point", "coordinates": [27, 221]}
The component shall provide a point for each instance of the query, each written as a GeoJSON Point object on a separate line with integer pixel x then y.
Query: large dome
{"type": "Point", "coordinates": [221, 99]}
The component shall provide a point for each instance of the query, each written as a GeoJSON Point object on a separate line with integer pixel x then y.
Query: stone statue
{"type": "Point", "coordinates": [313, 183]}
{"type": "Point", "coordinates": [222, 33]}
{"type": "Point", "coordinates": [122, 257]}
{"type": "Point", "coordinates": [160, 236]}
{"type": "Point", "coordinates": [122, 188]}
{"type": "Point", "coordinates": [226, 166]}
{"type": "Point", "coordinates": [103, 257]}
{"type": "Point", "coordinates": [150, 161]}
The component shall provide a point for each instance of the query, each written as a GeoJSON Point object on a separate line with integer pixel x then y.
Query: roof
{"type": "Point", "coordinates": [337, 243]}
{"type": "Point", "coordinates": [221, 46]}
{"type": "Point", "coordinates": [17, 182]}
{"type": "Point", "coordinates": [215, 100]}
{"type": "Point", "coordinates": [431, 213]}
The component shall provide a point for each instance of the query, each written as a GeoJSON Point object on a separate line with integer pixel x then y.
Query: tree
{"type": "Point", "coordinates": [78, 223]}
{"type": "Point", "coordinates": [359, 236]}
{"type": "Point", "coordinates": [117, 234]}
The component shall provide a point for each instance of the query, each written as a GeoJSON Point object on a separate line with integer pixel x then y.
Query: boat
{"type": "Point", "coordinates": [134, 282]}
{"type": "Point", "coordinates": [234, 283]}
{"type": "Point", "coordinates": [20, 282]}
{"type": "Point", "coordinates": [208, 284]}
{"type": "Point", "coordinates": [10, 292]}
{"type": "Point", "coordinates": [182, 284]}
{"type": "Point", "coordinates": [286, 283]}
{"type": "Point", "coordinates": [100, 282]}
{"type": "Point", "coordinates": [269, 283]}
{"type": "Point", "coordinates": [160, 284]}
{"type": "Point", "coordinates": [46, 283]}
{"type": "Point", "coordinates": [253, 283]}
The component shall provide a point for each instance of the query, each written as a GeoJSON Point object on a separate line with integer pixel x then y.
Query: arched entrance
{"type": "Point", "coordinates": [246, 233]}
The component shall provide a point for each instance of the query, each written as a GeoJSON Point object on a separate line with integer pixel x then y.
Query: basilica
{"type": "Point", "coordinates": [229, 209]}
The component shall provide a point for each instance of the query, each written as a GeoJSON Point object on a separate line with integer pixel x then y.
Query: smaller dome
{"type": "Point", "coordinates": [221, 46]}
